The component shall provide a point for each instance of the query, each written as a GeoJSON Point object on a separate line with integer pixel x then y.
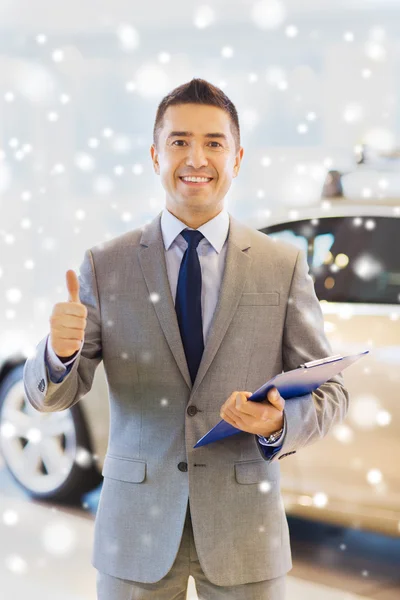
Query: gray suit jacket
{"type": "Point", "coordinates": [267, 319]}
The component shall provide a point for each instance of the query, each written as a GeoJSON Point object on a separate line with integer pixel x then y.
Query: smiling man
{"type": "Point", "coordinates": [196, 153]}
{"type": "Point", "coordinates": [189, 313]}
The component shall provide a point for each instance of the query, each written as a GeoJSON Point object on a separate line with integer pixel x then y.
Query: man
{"type": "Point", "coordinates": [182, 312]}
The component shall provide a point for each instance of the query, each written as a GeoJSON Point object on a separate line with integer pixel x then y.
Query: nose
{"type": "Point", "coordinates": [196, 157]}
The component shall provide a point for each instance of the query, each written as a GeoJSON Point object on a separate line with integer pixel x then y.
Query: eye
{"type": "Point", "coordinates": [174, 142]}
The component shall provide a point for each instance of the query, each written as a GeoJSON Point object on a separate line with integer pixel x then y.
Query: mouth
{"type": "Point", "coordinates": [196, 183]}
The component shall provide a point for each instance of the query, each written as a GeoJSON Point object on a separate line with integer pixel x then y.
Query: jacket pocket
{"type": "Point", "coordinates": [256, 471]}
{"type": "Point", "coordinates": [124, 469]}
{"type": "Point", "coordinates": [259, 299]}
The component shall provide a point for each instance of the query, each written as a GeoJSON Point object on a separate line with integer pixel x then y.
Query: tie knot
{"type": "Point", "coordinates": [193, 237]}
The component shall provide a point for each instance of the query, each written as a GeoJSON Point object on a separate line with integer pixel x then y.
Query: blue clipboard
{"type": "Point", "coordinates": [303, 380]}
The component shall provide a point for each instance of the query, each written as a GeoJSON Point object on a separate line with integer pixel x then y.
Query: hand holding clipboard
{"type": "Point", "coordinates": [298, 382]}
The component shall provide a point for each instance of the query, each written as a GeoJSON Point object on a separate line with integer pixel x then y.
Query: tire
{"type": "Point", "coordinates": [49, 455]}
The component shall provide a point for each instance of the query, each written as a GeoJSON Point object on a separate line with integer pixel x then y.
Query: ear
{"type": "Point", "coordinates": [154, 158]}
{"type": "Point", "coordinates": [238, 160]}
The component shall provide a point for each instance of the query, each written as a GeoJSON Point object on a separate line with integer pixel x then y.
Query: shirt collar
{"type": "Point", "coordinates": [215, 231]}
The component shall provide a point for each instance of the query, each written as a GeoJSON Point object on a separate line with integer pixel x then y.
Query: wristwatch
{"type": "Point", "coordinates": [274, 436]}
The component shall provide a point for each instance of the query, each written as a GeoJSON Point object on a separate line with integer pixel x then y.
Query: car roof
{"type": "Point", "coordinates": [331, 208]}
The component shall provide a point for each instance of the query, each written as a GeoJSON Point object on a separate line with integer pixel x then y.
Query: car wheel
{"type": "Point", "coordinates": [48, 454]}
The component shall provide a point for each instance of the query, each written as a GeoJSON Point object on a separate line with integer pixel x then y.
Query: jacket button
{"type": "Point", "coordinates": [192, 410]}
{"type": "Point", "coordinates": [182, 466]}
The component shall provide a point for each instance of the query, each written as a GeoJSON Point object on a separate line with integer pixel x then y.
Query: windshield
{"type": "Point", "coordinates": [351, 259]}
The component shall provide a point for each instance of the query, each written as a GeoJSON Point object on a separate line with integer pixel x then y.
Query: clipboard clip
{"type": "Point", "coordinates": [321, 361]}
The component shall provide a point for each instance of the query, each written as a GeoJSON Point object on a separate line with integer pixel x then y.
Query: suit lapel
{"type": "Point", "coordinates": [237, 266]}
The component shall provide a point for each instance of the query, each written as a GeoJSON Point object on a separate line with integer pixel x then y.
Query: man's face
{"type": "Point", "coordinates": [186, 149]}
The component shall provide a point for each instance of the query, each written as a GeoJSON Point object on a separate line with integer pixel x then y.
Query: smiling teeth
{"type": "Point", "coordinates": [196, 179]}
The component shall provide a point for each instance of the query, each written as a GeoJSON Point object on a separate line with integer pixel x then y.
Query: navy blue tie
{"type": "Point", "coordinates": [188, 302]}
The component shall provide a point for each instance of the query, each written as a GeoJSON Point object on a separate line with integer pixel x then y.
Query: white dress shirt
{"type": "Point", "coordinates": [212, 255]}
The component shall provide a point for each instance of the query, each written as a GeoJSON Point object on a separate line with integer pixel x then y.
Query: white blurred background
{"type": "Point", "coordinates": [79, 86]}
{"type": "Point", "coordinates": [80, 83]}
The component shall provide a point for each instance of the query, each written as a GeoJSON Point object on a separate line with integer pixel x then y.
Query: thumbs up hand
{"type": "Point", "coordinates": [68, 320]}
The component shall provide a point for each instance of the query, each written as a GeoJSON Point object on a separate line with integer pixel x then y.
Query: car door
{"type": "Point", "coordinates": [356, 271]}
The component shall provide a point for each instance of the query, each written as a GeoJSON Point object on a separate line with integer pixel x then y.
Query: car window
{"type": "Point", "coordinates": [351, 259]}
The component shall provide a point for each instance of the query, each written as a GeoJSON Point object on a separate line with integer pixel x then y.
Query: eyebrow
{"type": "Point", "coordinates": [190, 134]}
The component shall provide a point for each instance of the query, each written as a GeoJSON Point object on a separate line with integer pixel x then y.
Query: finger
{"type": "Point", "coordinates": [235, 399]}
{"type": "Point", "coordinates": [244, 412]}
{"type": "Point", "coordinates": [255, 410]}
{"type": "Point", "coordinates": [240, 399]}
{"type": "Point", "coordinates": [275, 398]}
{"type": "Point", "coordinates": [234, 419]}
{"type": "Point", "coordinates": [73, 286]}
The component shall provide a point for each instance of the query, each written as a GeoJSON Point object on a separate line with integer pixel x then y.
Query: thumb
{"type": "Point", "coordinates": [73, 286]}
{"type": "Point", "coordinates": [276, 399]}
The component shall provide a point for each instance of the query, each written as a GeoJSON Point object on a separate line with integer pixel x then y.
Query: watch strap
{"type": "Point", "coordinates": [274, 436]}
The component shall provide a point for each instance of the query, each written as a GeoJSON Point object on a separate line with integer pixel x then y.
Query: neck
{"type": "Point", "coordinates": [194, 220]}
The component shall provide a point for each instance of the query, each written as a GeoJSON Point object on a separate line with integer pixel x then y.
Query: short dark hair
{"type": "Point", "coordinates": [198, 91]}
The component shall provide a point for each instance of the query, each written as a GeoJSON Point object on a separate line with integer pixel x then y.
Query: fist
{"type": "Point", "coordinates": [68, 320]}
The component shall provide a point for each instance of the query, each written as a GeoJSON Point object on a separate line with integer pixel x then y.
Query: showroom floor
{"type": "Point", "coordinates": [47, 548]}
